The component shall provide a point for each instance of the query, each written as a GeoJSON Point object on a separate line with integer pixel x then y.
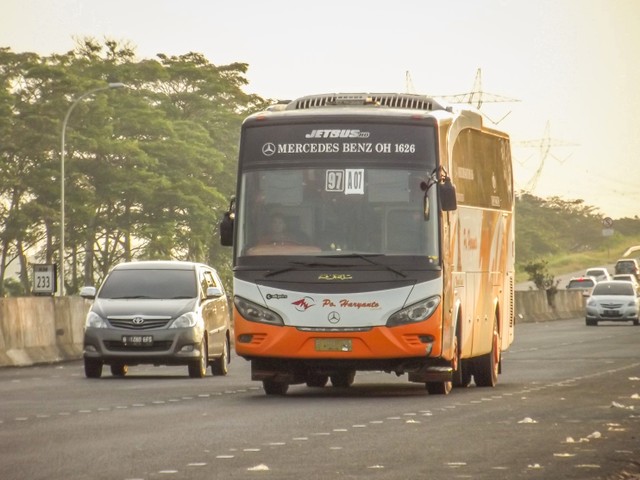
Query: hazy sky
{"type": "Point", "coordinates": [574, 65]}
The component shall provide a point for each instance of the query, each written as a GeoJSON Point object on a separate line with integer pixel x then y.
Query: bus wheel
{"type": "Point", "coordinates": [439, 388]}
{"type": "Point", "coordinates": [485, 372]}
{"type": "Point", "coordinates": [461, 376]}
{"type": "Point", "coordinates": [273, 387]}
{"type": "Point", "coordinates": [343, 379]}
{"type": "Point", "coordinates": [317, 380]}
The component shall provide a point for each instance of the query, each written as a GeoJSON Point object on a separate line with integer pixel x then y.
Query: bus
{"type": "Point", "coordinates": [400, 212]}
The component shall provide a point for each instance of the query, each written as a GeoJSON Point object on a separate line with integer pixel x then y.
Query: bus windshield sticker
{"type": "Point", "coordinates": [354, 181]}
{"type": "Point", "coordinates": [350, 181]}
{"type": "Point", "coordinates": [334, 181]}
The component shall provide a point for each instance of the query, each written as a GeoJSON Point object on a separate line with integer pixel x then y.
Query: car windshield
{"type": "Point", "coordinates": [580, 284]}
{"type": "Point", "coordinates": [149, 283]}
{"type": "Point", "coordinates": [595, 273]}
{"type": "Point", "coordinates": [621, 288]}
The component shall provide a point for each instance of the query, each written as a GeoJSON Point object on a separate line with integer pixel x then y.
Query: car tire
{"type": "Point", "coordinates": [92, 368]}
{"type": "Point", "coordinates": [118, 369]}
{"type": "Point", "coordinates": [198, 368]}
{"type": "Point", "coordinates": [220, 366]}
{"type": "Point", "coordinates": [591, 323]}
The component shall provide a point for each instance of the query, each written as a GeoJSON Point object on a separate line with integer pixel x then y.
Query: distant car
{"type": "Point", "coordinates": [600, 274]}
{"type": "Point", "coordinates": [158, 313]}
{"type": "Point", "coordinates": [613, 301]}
{"type": "Point", "coordinates": [627, 265]}
{"type": "Point", "coordinates": [584, 284]}
{"type": "Point", "coordinates": [628, 277]}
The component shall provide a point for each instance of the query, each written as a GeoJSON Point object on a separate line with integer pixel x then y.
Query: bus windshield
{"type": "Point", "coordinates": [299, 210]}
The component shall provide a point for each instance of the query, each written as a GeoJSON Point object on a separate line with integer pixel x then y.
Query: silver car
{"type": "Point", "coordinates": [613, 301]}
{"type": "Point", "coordinates": [158, 313]}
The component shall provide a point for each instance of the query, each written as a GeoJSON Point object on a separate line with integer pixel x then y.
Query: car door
{"type": "Point", "coordinates": [215, 312]}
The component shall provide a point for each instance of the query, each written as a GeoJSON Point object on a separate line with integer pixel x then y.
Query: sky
{"type": "Point", "coordinates": [571, 67]}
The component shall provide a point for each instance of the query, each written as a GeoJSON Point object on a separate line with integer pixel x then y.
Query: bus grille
{"type": "Point", "coordinates": [394, 100]}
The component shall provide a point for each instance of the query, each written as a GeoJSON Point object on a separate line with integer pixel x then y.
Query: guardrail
{"type": "Point", "coordinates": [50, 329]}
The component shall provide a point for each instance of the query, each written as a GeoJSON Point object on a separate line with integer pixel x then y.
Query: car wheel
{"type": "Point", "coordinates": [272, 387]}
{"type": "Point", "coordinates": [119, 370]}
{"type": "Point", "coordinates": [220, 366]}
{"type": "Point", "coordinates": [591, 323]}
{"type": "Point", "coordinates": [92, 368]}
{"type": "Point", "coordinates": [198, 368]}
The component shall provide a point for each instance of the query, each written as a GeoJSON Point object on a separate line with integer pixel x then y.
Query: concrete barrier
{"type": "Point", "coordinates": [41, 329]}
{"type": "Point", "coordinates": [537, 306]}
{"type": "Point", "coordinates": [49, 329]}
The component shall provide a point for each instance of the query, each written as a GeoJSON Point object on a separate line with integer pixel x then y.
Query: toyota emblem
{"type": "Point", "coordinates": [137, 320]}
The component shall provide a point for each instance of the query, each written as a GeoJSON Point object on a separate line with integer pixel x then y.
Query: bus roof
{"type": "Point", "coordinates": [358, 104]}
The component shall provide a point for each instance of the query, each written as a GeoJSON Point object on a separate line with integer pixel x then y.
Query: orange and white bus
{"type": "Point", "coordinates": [399, 247]}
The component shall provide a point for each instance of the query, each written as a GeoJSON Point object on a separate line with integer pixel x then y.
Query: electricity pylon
{"type": "Point", "coordinates": [544, 146]}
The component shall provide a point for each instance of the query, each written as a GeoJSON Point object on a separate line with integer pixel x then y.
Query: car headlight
{"type": "Point", "coordinates": [95, 321]}
{"type": "Point", "coordinates": [414, 313]}
{"type": "Point", "coordinates": [187, 320]}
{"type": "Point", "coordinates": [255, 313]}
{"type": "Point", "coordinates": [591, 303]}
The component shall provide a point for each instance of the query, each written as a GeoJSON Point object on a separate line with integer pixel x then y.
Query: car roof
{"type": "Point", "coordinates": [159, 265]}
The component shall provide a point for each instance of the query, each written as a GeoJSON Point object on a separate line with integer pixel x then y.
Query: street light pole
{"type": "Point", "coordinates": [62, 151]}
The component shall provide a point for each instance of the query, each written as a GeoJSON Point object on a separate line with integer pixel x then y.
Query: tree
{"type": "Point", "coordinates": [147, 171]}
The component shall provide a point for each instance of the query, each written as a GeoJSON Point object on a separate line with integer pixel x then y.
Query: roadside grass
{"type": "Point", "coordinates": [574, 262]}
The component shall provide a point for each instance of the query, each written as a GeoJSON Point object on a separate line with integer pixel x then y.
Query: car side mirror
{"type": "Point", "coordinates": [88, 292]}
{"type": "Point", "coordinates": [214, 292]}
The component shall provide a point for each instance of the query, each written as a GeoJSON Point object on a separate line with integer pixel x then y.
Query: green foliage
{"type": "Point", "coordinates": [148, 169]}
{"type": "Point", "coordinates": [540, 276]}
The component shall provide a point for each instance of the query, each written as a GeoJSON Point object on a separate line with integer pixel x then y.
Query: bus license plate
{"type": "Point", "coordinates": [333, 345]}
{"type": "Point", "coordinates": [137, 340]}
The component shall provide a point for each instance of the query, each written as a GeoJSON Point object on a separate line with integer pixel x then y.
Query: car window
{"type": "Point", "coordinates": [149, 283]}
{"type": "Point", "coordinates": [595, 273]}
{"type": "Point", "coordinates": [613, 289]}
{"type": "Point", "coordinates": [580, 284]}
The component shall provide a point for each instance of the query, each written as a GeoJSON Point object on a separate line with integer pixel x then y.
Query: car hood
{"type": "Point", "coordinates": [143, 307]}
{"type": "Point", "coordinates": [613, 298]}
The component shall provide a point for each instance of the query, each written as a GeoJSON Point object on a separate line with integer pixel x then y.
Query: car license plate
{"type": "Point", "coordinates": [611, 313]}
{"type": "Point", "coordinates": [333, 345]}
{"type": "Point", "coordinates": [137, 340]}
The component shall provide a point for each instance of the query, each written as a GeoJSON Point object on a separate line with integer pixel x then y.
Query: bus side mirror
{"type": "Point", "coordinates": [447, 193]}
{"type": "Point", "coordinates": [226, 230]}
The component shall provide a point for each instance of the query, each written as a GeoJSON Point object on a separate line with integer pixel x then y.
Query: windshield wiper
{"type": "Point", "coordinates": [366, 258]}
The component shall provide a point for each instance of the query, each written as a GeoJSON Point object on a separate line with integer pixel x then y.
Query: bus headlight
{"type": "Point", "coordinates": [255, 313]}
{"type": "Point", "coordinates": [414, 313]}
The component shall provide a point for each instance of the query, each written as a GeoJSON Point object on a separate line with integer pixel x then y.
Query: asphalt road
{"type": "Point", "coordinates": [567, 406]}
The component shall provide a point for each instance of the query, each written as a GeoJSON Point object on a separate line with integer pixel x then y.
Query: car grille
{"type": "Point", "coordinates": [116, 346]}
{"type": "Point", "coordinates": [147, 323]}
